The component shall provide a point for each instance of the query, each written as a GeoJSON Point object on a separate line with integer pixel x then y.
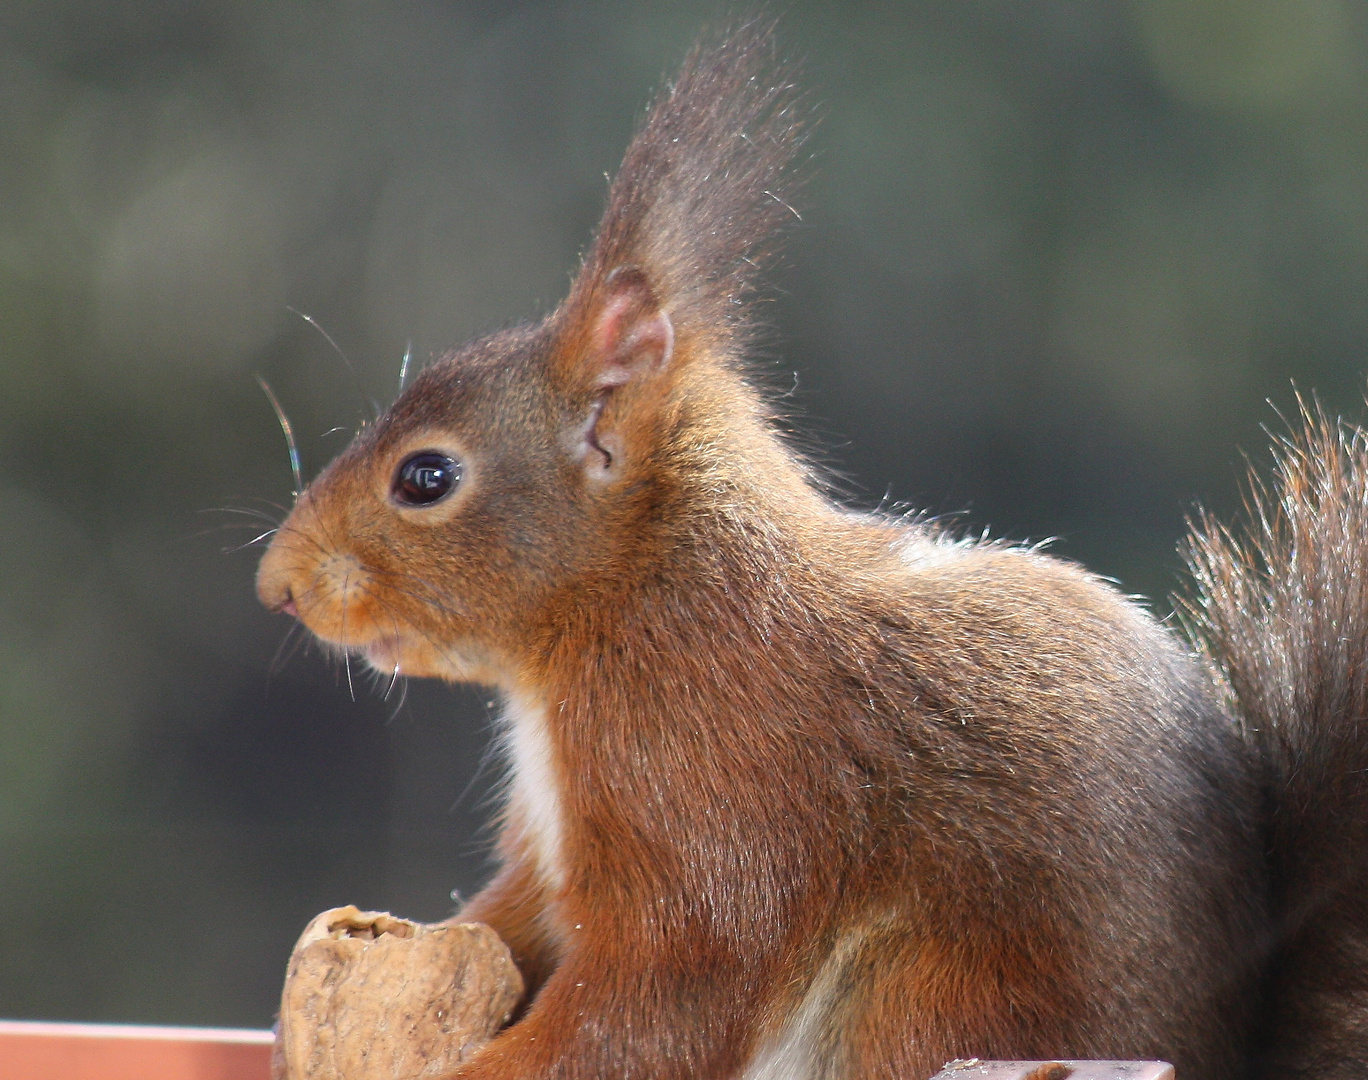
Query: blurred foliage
{"type": "Point", "coordinates": [1054, 258]}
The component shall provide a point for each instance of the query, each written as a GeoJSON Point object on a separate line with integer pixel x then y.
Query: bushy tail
{"type": "Point", "coordinates": [1281, 610]}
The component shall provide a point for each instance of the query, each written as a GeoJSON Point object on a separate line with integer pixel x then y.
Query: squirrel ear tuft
{"type": "Point", "coordinates": [629, 333]}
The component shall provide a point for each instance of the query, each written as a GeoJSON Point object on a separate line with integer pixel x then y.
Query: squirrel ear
{"type": "Point", "coordinates": [629, 333]}
{"type": "Point", "coordinates": [624, 337]}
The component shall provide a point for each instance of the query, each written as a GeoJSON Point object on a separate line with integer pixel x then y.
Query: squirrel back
{"type": "Point", "coordinates": [793, 791]}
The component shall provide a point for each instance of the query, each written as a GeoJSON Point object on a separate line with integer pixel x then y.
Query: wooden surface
{"type": "Point", "coordinates": [34, 1050]}
{"type": "Point", "coordinates": [974, 1069]}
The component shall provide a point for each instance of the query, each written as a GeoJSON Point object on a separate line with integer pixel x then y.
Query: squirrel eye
{"type": "Point", "coordinates": [425, 478]}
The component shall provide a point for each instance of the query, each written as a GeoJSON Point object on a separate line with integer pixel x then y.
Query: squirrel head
{"type": "Point", "coordinates": [538, 469]}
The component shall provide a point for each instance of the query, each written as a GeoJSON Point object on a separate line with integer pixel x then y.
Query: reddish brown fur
{"type": "Point", "coordinates": [784, 776]}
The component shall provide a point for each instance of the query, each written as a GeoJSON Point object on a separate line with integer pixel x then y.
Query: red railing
{"type": "Point", "coordinates": [37, 1050]}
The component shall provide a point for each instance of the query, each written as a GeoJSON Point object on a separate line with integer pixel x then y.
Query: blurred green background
{"type": "Point", "coordinates": [1055, 257]}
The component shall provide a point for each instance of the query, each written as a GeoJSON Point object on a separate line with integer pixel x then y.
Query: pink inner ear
{"type": "Point", "coordinates": [631, 333]}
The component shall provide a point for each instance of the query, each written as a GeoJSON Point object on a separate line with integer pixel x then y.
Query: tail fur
{"type": "Point", "coordinates": [1281, 611]}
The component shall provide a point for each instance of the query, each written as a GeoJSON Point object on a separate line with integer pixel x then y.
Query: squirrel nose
{"type": "Point", "coordinates": [273, 583]}
{"type": "Point", "coordinates": [277, 597]}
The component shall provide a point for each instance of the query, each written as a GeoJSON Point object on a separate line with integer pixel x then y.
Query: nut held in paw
{"type": "Point", "coordinates": [368, 996]}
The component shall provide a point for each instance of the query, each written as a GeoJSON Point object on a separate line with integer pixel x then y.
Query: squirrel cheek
{"type": "Point", "coordinates": [340, 600]}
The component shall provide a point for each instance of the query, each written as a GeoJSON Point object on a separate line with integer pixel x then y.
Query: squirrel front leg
{"type": "Point", "coordinates": [603, 1013]}
{"type": "Point", "coordinates": [514, 905]}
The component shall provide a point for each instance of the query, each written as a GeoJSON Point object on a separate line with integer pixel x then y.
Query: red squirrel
{"type": "Point", "coordinates": [807, 793]}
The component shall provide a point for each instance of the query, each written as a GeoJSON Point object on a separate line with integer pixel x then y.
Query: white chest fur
{"type": "Point", "coordinates": [806, 1045]}
{"type": "Point", "coordinates": [535, 785]}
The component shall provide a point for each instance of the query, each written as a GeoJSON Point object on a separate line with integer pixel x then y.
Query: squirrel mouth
{"type": "Point", "coordinates": [384, 654]}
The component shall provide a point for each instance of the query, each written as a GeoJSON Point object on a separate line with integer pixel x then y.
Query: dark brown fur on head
{"type": "Point", "coordinates": [635, 380]}
{"type": "Point", "coordinates": [705, 188]}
